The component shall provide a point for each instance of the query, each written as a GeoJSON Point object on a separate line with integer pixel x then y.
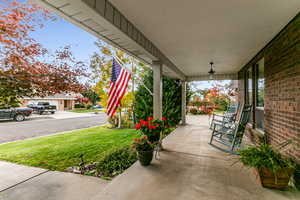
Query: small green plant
{"type": "Point", "coordinates": [115, 162]}
{"type": "Point", "coordinates": [142, 144]}
{"type": "Point", "coordinates": [297, 177]}
{"type": "Point", "coordinates": [264, 156]}
{"type": "Point", "coordinates": [88, 106]}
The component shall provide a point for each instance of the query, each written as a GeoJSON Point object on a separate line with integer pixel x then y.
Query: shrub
{"type": "Point", "coordinates": [116, 161]}
{"type": "Point", "coordinates": [167, 131]}
{"type": "Point", "coordinates": [78, 105]}
{"type": "Point", "coordinates": [125, 123]}
{"type": "Point", "coordinates": [171, 99]}
{"type": "Point", "coordinates": [88, 106]}
{"type": "Point", "coordinates": [194, 111]}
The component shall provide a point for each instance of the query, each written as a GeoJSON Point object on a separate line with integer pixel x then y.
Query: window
{"type": "Point", "coordinates": [249, 89]}
{"type": "Point", "coordinates": [260, 93]}
{"type": "Point", "coordinates": [254, 93]}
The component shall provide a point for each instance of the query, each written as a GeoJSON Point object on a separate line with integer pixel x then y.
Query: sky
{"type": "Point", "coordinates": [59, 33]}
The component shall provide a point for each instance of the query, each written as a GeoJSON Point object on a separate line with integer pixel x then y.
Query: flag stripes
{"type": "Point", "coordinates": [118, 85]}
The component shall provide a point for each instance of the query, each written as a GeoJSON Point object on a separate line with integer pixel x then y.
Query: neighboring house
{"type": "Point", "coordinates": [61, 101]}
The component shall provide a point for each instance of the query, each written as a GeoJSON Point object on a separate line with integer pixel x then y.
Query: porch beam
{"type": "Point", "coordinates": [233, 76]}
{"type": "Point", "coordinates": [157, 89]}
{"type": "Point", "coordinates": [183, 102]}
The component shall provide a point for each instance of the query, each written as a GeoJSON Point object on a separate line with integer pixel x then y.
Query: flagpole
{"type": "Point", "coordinates": [133, 110]}
{"type": "Point", "coordinates": [139, 81]}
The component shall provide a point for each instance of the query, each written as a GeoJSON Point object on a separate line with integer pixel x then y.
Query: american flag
{"type": "Point", "coordinates": [118, 84]}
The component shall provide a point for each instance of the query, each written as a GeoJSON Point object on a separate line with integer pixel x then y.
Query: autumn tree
{"type": "Point", "coordinates": [101, 64]}
{"type": "Point", "coordinates": [24, 70]}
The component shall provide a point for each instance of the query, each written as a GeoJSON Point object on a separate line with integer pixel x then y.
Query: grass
{"type": "Point", "coordinates": [85, 110]}
{"type": "Point", "coordinates": [219, 112]}
{"type": "Point", "coordinates": [57, 152]}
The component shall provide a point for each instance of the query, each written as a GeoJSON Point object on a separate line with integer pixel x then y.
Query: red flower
{"type": "Point", "coordinates": [144, 122]}
{"type": "Point", "coordinates": [152, 127]}
{"type": "Point", "coordinates": [150, 118]}
{"type": "Point", "coordinates": [138, 126]}
{"type": "Point", "coordinates": [145, 137]}
{"type": "Point", "coordinates": [164, 118]}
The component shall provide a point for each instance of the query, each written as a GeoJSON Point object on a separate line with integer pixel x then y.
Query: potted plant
{"type": "Point", "coordinates": [273, 169]}
{"type": "Point", "coordinates": [151, 128]}
{"type": "Point", "coordinates": [144, 149]}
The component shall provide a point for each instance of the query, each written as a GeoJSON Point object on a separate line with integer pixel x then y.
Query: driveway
{"type": "Point", "coordinates": [47, 124]}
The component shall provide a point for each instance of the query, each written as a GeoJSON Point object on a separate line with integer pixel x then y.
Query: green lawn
{"type": "Point", "coordinates": [85, 110]}
{"type": "Point", "coordinates": [218, 112]}
{"type": "Point", "coordinates": [57, 152]}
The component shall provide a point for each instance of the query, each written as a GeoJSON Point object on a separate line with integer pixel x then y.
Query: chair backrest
{"type": "Point", "coordinates": [231, 112]}
{"type": "Point", "coordinates": [232, 108]}
{"type": "Point", "coordinates": [244, 118]}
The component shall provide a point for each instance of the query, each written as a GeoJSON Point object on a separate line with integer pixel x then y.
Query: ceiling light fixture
{"type": "Point", "coordinates": [211, 71]}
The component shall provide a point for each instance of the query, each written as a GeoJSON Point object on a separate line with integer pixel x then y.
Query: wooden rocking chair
{"type": "Point", "coordinates": [231, 135]}
{"type": "Point", "coordinates": [228, 117]}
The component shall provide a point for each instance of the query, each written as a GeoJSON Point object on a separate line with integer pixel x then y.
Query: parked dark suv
{"type": "Point", "coordinates": [17, 114]}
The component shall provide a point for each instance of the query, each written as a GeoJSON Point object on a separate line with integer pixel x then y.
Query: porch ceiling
{"type": "Point", "coordinates": [193, 33]}
{"type": "Point", "coordinates": [185, 36]}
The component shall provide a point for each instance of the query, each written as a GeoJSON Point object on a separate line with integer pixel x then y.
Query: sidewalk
{"type": "Point", "coordinates": [19, 182]}
{"type": "Point", "coordinates": [64, 115]}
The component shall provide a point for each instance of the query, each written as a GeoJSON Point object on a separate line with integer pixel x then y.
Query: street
{"type": "Point", "coordinates": [45, 125]}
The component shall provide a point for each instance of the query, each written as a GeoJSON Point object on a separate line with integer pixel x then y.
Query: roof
{"type": "Point", "coordinates": [184, 36]}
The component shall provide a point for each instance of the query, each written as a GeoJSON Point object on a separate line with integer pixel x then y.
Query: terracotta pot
{"type": "Point", "coordinates": [145, 157]}
{"type": "Point", "coordinates": [279, 180]}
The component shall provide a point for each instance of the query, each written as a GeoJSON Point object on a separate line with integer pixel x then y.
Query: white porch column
{"type": "Point", "coordinates": [183, 103]}
{"type": "Point", "coordinates": [157, 89]}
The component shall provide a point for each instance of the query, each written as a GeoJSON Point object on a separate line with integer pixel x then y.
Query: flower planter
{"type": "Point", "coordinates": [145, 157]}
{"type": "Point", "coordinates": [269, 180]}
{"type": "Point", "coordinates": [154, 138]}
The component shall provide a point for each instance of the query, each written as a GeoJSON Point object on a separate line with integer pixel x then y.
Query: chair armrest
{"type": "Point", "coordinates": [220, 117]}
{"type": "Point", "coordinates": [217, 115]}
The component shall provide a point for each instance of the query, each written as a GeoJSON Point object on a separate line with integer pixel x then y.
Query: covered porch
{"type": "Point", "coordinates": [253, 42]}
{"type": "Point", "coordinates": [190, 168]}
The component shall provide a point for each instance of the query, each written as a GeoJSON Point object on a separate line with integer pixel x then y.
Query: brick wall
{"type": "Point", "coordinates": [282, 87]}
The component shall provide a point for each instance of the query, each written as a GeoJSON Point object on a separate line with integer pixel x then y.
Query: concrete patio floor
{"type": "Point", "coordinates": [190, 169]}
{"type": "Point", "coordinates": [19, 182]}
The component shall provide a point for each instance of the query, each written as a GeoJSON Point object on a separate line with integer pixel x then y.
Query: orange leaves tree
{"type": "Point", "coordinates": [217, 100]}
{"type": "Point", "coordinates": [26, 68]}
{"type": "Point", "coordinates": [212, 99]}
